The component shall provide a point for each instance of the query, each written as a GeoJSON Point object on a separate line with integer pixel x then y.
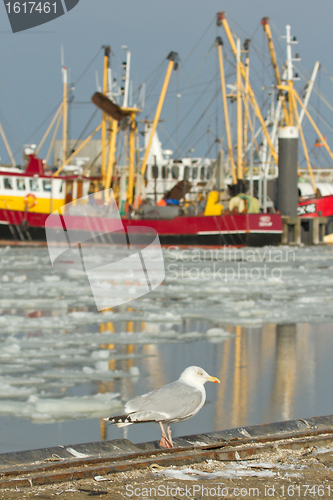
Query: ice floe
{"type": "Point", "coordinates": [57, 409]}
{"type": "Point", "coordinates": [52, 338]}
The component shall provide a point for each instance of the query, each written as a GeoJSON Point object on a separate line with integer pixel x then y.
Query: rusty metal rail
{"type": "Point", "coordinates": [64, 463]}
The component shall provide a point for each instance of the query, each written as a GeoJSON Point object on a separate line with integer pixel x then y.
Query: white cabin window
{"type": "Point", "coordinates": [47, 185]}
{"type": "Point", "coordinates": [187, 173]}
{"type": "Point", "coordinates": [20, 184]}
{"type": "Point", "coordinates": [34, 185]}
{"type": "Point", "coordinates": [165, 172]}
{"type": "Point", "coordinates": [155, 171]}
{"type": "Point", "coordinates": [194, 173]}
{"type": "Point", "coordinates": [175, 172]}
{"type": "Point", "coordinates": [8, 183]}
{"type": "Point", "coordinates": [203, 173]}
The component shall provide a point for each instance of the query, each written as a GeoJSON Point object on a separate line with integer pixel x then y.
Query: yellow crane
{"type": "Point", "coordinates": [219, 44]}
{"type": "Point", "coordinates": [173, 64]}
{"type": "Point", "coordinates": [223, 22]}
{"type": "Point", "coordinates": [267, 30]}
{"type": "Point", "coordinates": [291, 116]}
{"type": "Point", "coordinates": [173, 58]}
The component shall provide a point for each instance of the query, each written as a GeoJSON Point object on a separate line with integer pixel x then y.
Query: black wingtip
{"type": "Point", "coordinates": [119, 419]}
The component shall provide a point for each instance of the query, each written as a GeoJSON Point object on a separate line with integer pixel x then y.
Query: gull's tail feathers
{"type": "Point", "coordinates": [120, 420]}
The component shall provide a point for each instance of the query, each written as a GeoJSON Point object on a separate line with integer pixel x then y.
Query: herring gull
{"type": "Point", "coordinates": [171, 403]}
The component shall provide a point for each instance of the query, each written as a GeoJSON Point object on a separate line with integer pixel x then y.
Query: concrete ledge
{"type": "Point", "coordinates": [62, 463]}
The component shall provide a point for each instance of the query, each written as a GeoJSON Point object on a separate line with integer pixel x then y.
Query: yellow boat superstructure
{"type": "Point", "coordinates": [38, 193]}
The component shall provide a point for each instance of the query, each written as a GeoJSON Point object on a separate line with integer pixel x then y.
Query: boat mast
{"type": "Point", "coordinates": [58, 114]}
{"type": "Point", "coordinates": [173, 58]}
{"type": "Point", "coordinates": [267, 29]}
{"type": "Point", "coordinates": [219, 44]}
{"type": "Point", "coordinates": [290, 74]}
{"type": "Point", "coordinates": [309, 89]}
{"type": "Point", "coordinates": [104, 116]}
{"type": "Point", "coordinates": [7, 146]}
{"type": "Point", "coordinates": [116, 114]}
{"type": "Point", "coordinates": [173, 63]}
{"type": "Point", "coordinates": [288, 115]}
{"type": "Point", "coordinates": [246, 97]}
{"type": "Point", "coordinates": [132, 127]}
{"type": "Point", "coordinates": [64, 109]}
{"type": "Point", "coordinates": [294, 117]}
{"type": "Point", "coordinates": [127, 75]}
{"type": "Point", "coordinates": [320, 135]}
{"type": "Point", "coordinates": [112, 153]}
{"type": "Point", "coordinates": [305, 149]}
{"type": "Point", "coordinates": [113, 130]}
{"type": "Point", "coordinates": [78, 149]}
{"type": "Point", "coordinates": [130, 187]}
{"type": "Point", "coordinates": [251, 93]}
{"type": "Point", "coordinates": [240, 182]}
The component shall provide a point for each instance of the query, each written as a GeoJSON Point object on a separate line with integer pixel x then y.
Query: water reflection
{"type": "Point", "coordinates": [268, 373]}
{"type": "Point", "coordinates": [284, 374]}
{"type": "Point", "coordinates": [64, 365]}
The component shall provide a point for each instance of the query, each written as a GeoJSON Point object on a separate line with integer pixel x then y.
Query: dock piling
{"type": "Point", "coordinates": [307, 231]}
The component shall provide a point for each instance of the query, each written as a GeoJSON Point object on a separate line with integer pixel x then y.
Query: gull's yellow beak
{"type": "Point", "coordinates": [213, 379]}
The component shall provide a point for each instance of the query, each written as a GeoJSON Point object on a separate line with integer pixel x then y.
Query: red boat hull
{"type": "Point", "coordinates": [238, 229]}
{"type": "Point", "coordinates": [316, 207]}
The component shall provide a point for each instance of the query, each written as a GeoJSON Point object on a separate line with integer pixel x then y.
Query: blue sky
{"type": "Point", "coordinates": [30, 77]}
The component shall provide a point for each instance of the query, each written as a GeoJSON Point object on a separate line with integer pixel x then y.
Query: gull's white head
{"type": "Point", "coordinates": [195, 375]}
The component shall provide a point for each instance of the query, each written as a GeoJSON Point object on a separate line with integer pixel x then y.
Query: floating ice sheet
{"type": "Point", "coordinates": [52, 337]}
{"type": "Point", "coordinates": [56, 409]}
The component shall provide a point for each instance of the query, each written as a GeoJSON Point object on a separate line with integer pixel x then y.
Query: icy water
{"type": "Point", "coordinates": [260, 320]}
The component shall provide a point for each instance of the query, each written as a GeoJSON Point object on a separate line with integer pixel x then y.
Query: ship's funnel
{"type": "Point", "coordinates": [109, 107]}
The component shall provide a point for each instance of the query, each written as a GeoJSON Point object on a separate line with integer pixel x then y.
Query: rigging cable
{"type": "Point", "coordinates": [8, 130]}
{"type": "Point", "coordinates": [316, 91]}
{"type": "Point", "coordinates": [38, 128]}
{"type": "Point", "coordinates": [86, 69]}
{"type": "Point", "coordinates": [327, 73]}
{"type": "Point", "coordinates": [321, 117]}
{"type": "Point", "coordinates": [85, 128]}
{"type": "Point", "coordinates": [195, 46]}
{"type": "Point", "coordinates": [188, 113]}
{"type": "Point", "coordinates": [204, 92]}
{"type": "Point", "coordinates": [9, 99]}
{"type": "Point", "coordinates": [185, 140]}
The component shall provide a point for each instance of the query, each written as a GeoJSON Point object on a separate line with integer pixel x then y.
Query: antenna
{"type": "Point", "coordinates": [62, 56]}
{"type": "Point", "coordinates": [142, 96]}
{"type": "Point", "coordinates": [126, 66]}
{"type": "Point", "coordinates": [130, 93]}
{"type": "Point", "coordinates": [290, 68]}
{"type": "Point", "coordinates": [99, 88]}
{"type": "Point", "coordinates": [109, 85]}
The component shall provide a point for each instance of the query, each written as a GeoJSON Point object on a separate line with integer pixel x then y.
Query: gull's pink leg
{"type": "Point", "coordinates": [165, 443]}
{"type": "Point", "coordinates": [169, 435]}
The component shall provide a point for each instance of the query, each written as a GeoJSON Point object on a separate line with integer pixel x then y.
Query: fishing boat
{"type": "Point", "coordinates": [190, 201]}
{"type": "Point", "coordinates": [193, 216]}
{"type": "Point", "coordinates": [28, 198]}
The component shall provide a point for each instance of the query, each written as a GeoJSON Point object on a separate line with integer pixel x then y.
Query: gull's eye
{"type": "Point", "coordinates": [199, 373]}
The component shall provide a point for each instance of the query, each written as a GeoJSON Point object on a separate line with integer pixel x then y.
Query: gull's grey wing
{"type": "Point", "coordinates": [171, 402]}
